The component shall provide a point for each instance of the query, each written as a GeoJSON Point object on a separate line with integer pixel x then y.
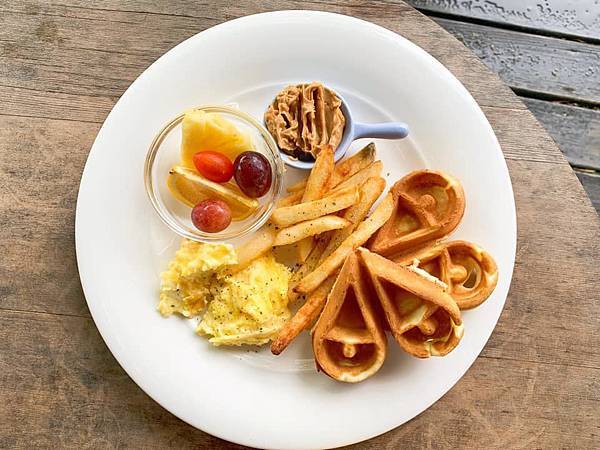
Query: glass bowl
{"type": "Point", "coordinates": [164, 152]}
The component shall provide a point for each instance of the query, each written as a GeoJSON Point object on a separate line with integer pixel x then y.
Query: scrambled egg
{"type": "Point", "coordinates": [247, 307]}
{"type": "Point", "coordinates": [185, 285]}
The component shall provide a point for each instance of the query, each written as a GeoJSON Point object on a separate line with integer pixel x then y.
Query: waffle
{"type": "Point", "coordinates": [428, 206]}
{"type": "Point", "coordinates": [349, 341]}
{"type": "Point", "coordinates": [423, 318]}
{"type": "Point", "coordinates": [469, 271]}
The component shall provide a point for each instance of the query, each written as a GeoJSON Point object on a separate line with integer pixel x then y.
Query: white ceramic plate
{"type": "Point", "coordinates": [249, 396]}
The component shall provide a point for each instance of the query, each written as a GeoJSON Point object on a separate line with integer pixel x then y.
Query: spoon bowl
{"type": "Point", "coordinates": [352, 131]}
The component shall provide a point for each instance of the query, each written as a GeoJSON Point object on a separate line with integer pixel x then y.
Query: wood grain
{"type": "Point", "coordinates": [576, 130]}
{"type": "Point", "coordinates": [545, 65]}
{"type": "Point", "coordinates": [535, 384]}
{"type": "Point", "coordinates": [50, 69]}
{"type": "Point", "coordinates": [573, 18]}
{"type": "Point", "coordinates": [61, 388]}
{"type": "Point", "coordinates": [40, 164]}
{"type": "Point", "coordinates": [535, 322]}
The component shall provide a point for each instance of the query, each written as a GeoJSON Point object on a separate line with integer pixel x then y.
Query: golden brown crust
{"type": "Point", "coordinates": [361, 234]}
{"type": "Point", "coordinates": [423, 318]}
{"type": "Point", "coordinates": [348, 340]}
{"type": "Point", "coordinates": [470, 272]}
{"type": "Point", "coordinates": [428, 205]}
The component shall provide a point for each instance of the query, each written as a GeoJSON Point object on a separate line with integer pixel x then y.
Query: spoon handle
{"type": "Point", "coordinates": [386, 130]}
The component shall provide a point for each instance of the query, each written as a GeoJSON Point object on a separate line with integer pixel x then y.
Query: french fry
{"type": "Point", "coordinates": [369, 192]}
{"type": "Point", "coordinates": [303, 230]}
{"type": "Point", "coordinates": [307, 267]}
{"type": "Point", "coordinates": [361, 235]}
{"type": "Point", "coordinates": [260, 243]}
{"type": "Point", "coordinates": [303, 318]}
{"type": "Point", "coordinates": [318, 179]}
{"type": "Point", "coordinates": [289, 215]}
{"type": "Point", "coordinates": [290, 200]}
{"type": "Point", "coordinates": [317, 185]}
{"type": "Point", "coordinates": [345, 168]}
{"type": "Point", "coordinates": [298, 187]}
{"type": "Point", "coordinates": [372, 170]}
{"type": "Point", "coordinates": [344, 174]}
{"type": "Point", "coordinates": [349, 166]}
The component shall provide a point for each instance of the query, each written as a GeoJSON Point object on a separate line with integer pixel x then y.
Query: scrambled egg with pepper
{"type": "Point", "coordinates": [244, 307]}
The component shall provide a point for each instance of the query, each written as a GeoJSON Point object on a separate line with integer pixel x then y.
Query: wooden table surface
{"type": "Point", "coordinates": [536, 383]}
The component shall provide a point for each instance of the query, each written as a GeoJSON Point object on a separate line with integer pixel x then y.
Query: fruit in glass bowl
{"type": "Point", "coordinates": [201, 130]}
{"type": "Point", "coordinates": [252, 173]}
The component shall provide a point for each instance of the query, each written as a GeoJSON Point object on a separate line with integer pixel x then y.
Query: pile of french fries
{"type": "Point", "coordinates": [326, 217]}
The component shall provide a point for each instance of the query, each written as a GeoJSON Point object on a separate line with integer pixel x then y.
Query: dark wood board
{"type": "Point", "coordinates": [535, 384]}
{"type": "Point", "coordinates": [543, 65]}
{"type": "Point", "coordinates": [591, 184]}
{"type": "Point", "coordinates": [572, 18]}
{"type": "Point", "coordinates": [576, 130]}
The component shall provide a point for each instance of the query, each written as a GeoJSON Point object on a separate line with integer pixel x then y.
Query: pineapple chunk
{"type": "Point", "coordinates": [210, 131]}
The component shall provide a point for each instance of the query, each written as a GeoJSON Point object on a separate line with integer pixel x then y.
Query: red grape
{"type": "Point", "coordinates": [252, 172]}
{"type": "Point", "coordinates": [211, 215]}
{"type": "Point", "coordinates": [213, 165]}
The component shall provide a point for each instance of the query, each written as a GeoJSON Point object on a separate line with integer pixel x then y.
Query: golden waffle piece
{"type": "Point", "coordinates": [469, 271]}
{"type": "Point", "coordinates": [428, 205]}
{"type": "Point", "coordinates": [349, 341]}
{"type": "Point", "coordinates": [423, 318]}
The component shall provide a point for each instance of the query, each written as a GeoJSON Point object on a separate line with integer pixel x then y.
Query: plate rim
{"type": "Point", "coordinates": [93, 307]}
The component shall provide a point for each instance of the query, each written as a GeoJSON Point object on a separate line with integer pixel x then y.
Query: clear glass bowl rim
{"type": "Point", "coordinates": [198, 235]}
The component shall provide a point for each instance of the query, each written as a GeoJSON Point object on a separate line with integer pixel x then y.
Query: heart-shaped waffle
{"type": "Point", "coordinates": [469, 271]}
{"type": "Point", "coordinates": [348, 339]}
{"type": "Point", "coordinates": [423, 318]}
{"type": "Point", "coordinates": [428, 206]}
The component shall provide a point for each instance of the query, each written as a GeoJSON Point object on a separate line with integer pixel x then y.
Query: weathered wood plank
{"type": "Point", "coordinates": [486, 411]}
{"type": "Point", "coordinates": [591, 184]}
{"type": "Point", "coordinates": [575, 18]}
{"type": "Point", "coordinates": [556, 231]}
{"type": "Point", "coordinates": [40, 165]}
{"type": "Point", "coordinates": [540, 64]}
{"type": "Point", "coordinates": [61, 388]}
{"type": "Point", "coordinates": [515, 144]}
{"type": "Point", "coordinates": [576, 130]}
{"type": "Point", "coordinates": [50, 105]}
{"type": "Point", "coordinates": [56, 71]}
{"type": "Point", "coordinates": [48, 52]}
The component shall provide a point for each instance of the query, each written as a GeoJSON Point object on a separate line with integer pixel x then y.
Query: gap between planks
{"type": "Point", "coordinates": [538, 65]}
{"type": "Point", "coordinates": [517, 15]}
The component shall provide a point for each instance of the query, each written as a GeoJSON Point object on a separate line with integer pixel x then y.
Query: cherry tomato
{"type": "Point", "coordinates": [211, 215]}
{"type": "Point", "coordinates": [252, 173]}
{"type": "Point", "coordinates": [213, 165]}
